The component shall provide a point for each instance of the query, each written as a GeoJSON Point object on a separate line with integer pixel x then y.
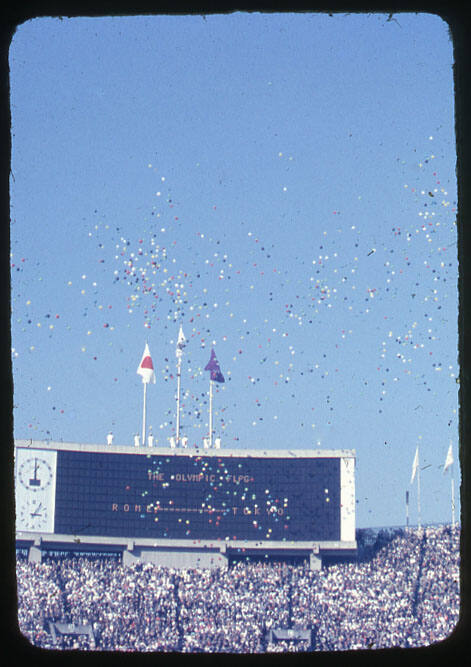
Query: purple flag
{"type": "Point", "coordinates": [213, 366]}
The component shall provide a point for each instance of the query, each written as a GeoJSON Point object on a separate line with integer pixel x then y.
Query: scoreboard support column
{"type": "Point", "coordinates": [34, 554]}
{"type": "Point", "coordinates": [315, 561]}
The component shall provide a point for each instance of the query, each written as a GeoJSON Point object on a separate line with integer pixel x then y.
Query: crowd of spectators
{"type": "Point", "coordinates": [405, 594]}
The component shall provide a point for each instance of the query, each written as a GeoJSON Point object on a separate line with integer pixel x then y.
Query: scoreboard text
{"type": "Point", "coordinates": [197, 497]}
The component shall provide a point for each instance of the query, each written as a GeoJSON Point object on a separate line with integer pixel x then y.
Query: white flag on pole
{"type": "Point", "coordinates": [180, 343]}
{"type": "Point", "coordinates": [146, 367]}
{"type": "Point", "coordinates": [415, 464]}
{"type": "Point", "coordinates": [449, 458]}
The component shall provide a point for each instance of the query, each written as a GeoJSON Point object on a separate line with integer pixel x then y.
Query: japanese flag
{"type": "Point", "coordinates": [146, 367]}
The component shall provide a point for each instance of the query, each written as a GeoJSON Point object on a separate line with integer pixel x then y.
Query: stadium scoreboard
{"type": "Point", "coordinates": [113, 491]}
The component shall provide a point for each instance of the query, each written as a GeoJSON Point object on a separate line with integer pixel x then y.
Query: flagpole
{"type": "Point", "coordinates": [144, 416]}
{"type": "Point", "coordinates": [452, 498]}
{"type": "Point", "coordinates": [178, 397]}
{"type": "Point", "coordinates": [407, 509]}
{"type": "Point", "coordinates": [210, 413]}
{"type": "Point", "coordinates": [217, 376]}
{"type": "Point", "coordinates": [418, 491]}
{"type": "Point", "coordinates": [146, 371]}
{"type": "Point", "coordinates": [449, 464]}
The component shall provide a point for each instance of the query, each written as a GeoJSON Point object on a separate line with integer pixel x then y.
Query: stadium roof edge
{"type": "Point", "coordinates": [186, 451]}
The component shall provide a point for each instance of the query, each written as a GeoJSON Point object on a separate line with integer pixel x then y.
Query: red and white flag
{"type": "Point", "coordinates": [146, 367]}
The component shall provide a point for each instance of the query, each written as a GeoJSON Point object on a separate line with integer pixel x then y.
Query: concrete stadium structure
{"type": "Point", "coordinates": [75, 497]}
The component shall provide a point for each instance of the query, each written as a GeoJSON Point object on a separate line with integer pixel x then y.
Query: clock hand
{"type": "Point", "coordinates": [37, 512]}
{"type": "Point", "coordinates": [35, 481]}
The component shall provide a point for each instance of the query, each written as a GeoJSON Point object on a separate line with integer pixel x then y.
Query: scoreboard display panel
{"type": "Point", "coordinates": [197, 496]}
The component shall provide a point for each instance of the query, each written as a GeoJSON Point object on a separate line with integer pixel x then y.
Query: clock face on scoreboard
{"type": "Point", "coordinates": [35, 482]}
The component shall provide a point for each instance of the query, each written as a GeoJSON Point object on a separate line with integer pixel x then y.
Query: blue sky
{"type": "Point", "coordinates": [281, 185]}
